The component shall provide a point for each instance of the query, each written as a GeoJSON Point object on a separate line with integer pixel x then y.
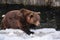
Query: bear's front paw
{"type": "Point", "coordinates": [30, 33]}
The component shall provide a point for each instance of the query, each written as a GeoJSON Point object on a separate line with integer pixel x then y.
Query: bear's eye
{"type": "Point", "coordinates": [31, 16]}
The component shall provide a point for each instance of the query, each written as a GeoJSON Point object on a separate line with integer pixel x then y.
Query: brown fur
{"type": "Point", "coordinates": [21, 19]}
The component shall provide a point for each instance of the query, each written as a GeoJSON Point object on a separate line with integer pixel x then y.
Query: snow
{"type": "Point", "coordinates": [3, 15]}
{"type": "Point", "coordinates": [39, 34]}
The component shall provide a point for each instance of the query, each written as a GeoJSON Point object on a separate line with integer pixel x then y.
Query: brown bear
{"type": "Point", "coordinates": [21, 19]}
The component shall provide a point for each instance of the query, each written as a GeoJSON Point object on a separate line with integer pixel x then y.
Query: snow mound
{"type": "Point", "coordinates": [39, 34]}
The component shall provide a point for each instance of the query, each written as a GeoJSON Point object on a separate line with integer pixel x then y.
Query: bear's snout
{"type": "Point", "coordinates": [37, 23]}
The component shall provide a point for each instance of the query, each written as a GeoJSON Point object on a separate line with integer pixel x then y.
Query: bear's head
{"type": "Point", "coordinates": [31, 17]}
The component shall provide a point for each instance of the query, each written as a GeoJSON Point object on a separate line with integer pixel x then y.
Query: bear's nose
{"type": "Point", "coordinates": [37, 23]}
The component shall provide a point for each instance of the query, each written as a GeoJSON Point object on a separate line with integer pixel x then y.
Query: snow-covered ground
{"type": "Point", "coordinates": [39, 34]}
